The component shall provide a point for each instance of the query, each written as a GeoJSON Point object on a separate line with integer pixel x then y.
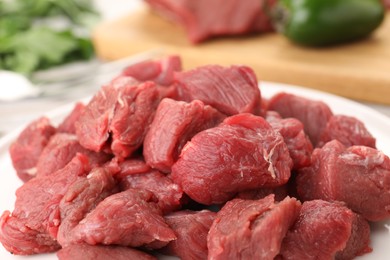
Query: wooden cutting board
{"type": "Point", "coordinates": [359, 70]}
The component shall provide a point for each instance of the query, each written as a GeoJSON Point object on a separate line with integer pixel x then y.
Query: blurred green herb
{"type": "Point", "coordinates": [38, 34]}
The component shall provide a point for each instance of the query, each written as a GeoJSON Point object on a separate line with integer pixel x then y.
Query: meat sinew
{"type": "Point", "coordinates": [203, 19]}
{"type": "Point", "coordinates": [348, 130]}
{"type": "Point", "coordinates": [191, 229]}
{"type": "Point", "coordinates": [357, 175]}
{"type": "Point", "coordinates": [326, 230]}
{"type": "Point", "coordinates": [85, 251]}
{"type": "Point", "coordinates": [129, 218]}
{"type": "Point", "coordinates": [251, 229]}
{"type": "Point", "coordinates": [231, 90]}
{"type": "Point", "coordinates": [313, 114]}
{"type": "Point", "coordinates": [26, 149]}
{"type": "Point", "coordinates": [174, 124]}
{"type": "Point", "coordinates": [242, 153]}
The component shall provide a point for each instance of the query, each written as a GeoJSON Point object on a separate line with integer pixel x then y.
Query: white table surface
{"type": "Point", "coordinates": [16, 114]}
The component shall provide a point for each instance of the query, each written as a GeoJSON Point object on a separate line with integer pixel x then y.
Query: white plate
{"type": "Point", "coordinates": [376, 123]}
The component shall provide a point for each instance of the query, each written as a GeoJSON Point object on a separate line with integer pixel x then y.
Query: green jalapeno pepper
{"type": "Point", "coordinates": [327, 22]}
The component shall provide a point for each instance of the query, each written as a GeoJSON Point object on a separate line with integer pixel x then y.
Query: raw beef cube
{"type": "Point", "coordinates": [129, 218]}
{"type": "Point", "coordinates": [28, 146]}
{"type": "Point", "coordinates": [203, 19]}
{"type": "Point", "coordinates": [348, 130]}
{"type": "Point", "coordinates": [68, 124]}
{"type": "Point", "coordinates": [32, 226]}
{"type": "Point", "coordinates": [279, 192]}
{"type": "Point", "coordinates": [61, 148]}
{"type": "Point", "coordinates": [85, 251]}
{"type": "Point", "coordinates": [357, 175]}
{"type": "Point", "coordinates": [21, 240]}
{"type": "Point", "coordinates": [174, 124]}
{"type": "Point", "coordinates": [242, 153]}
{"type": "Point", "coordinates": [81, 198]}
{"type": "Point", "coordinates": [313, 114]}
{"type": "Point", "coordinates": [191, 229]}
{"type": "Point", "coordinates": [298, 143]}
{"type": "Point", "coordinates": [160, 71]}
{"type": "Point", "coordinates": [169, 194]}
{"type": "Point", "coordinates": [326, 230]}
{"type": "Point", "coordinates": [121, 112]}
{"type": "Point", "coordinates": [92, 127]}
{"type": "Point", "coordinates": [231, 90]}
{"type": "Point", "coordinates": [134, 113]}
{"type": "Point", "coordinates": [251, 229]}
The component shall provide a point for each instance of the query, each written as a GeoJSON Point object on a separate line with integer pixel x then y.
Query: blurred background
{"type": "Point", "coordinates": [42, 70]}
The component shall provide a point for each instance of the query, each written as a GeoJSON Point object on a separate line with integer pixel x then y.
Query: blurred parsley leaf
{"type": "Point", "coordinates": [28, 43]}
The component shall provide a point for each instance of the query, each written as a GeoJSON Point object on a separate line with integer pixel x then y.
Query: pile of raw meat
{"type": "Point", "coordinates": [196, 164]}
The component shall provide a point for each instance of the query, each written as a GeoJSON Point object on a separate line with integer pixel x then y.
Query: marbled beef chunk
{"type": "Point", "coordinates": [242, 153]}
{"type": "Point", "coordinates": [88, 252]}
{"type": "Point", "coordinates": [313, 114]}
{"type": "Point", "coordinates": [169, 194]}
{"type": "Point", "coordinates": [231, 90]}
{"type": "Point", "coordinates": [203, 19]}
{"type": "Point", "coordinates": [348, 130]}
{"type": "Point", "coordinates": [129, 218]}
{"type": "Point", "coordinates": [81, 198]}
{"type": "Point", "coordinates": [251, 229]}
{"type": "Point", "coordinates": [298, 143]}
{"type": "Point", "coordinates": [160, 71]}
{"type": "Point", "coordinates": [174, 124]}
{"type": "Point", "coordinates": [326, 230]}
{"type": "Point", "coordinates": [33, 225]}
{"type": "Point", "coordinates": [357, 175]}
{"type": "Point", "coordinates": [26, 149]}
{"type": "Point", "coordinates": [191, 229]}
{"type": "Point", "coordinates": [61, 148]}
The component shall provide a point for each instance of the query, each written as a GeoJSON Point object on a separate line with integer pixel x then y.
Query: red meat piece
{"type": "Point", "coordinates": [231, 90]}
{"type": "Point", "coordinates": [174, 124]}
{"type": "Point", "coordinates": [81, 198]}
{"type": "Point", "coordinates": [61, 148]}
{"type": "Point", "coordinates": [191, 229]}
{"type": "Point", "coordinates": [348, 130]}
{"type": "Point", "coordinates": [242, 153]}
{"type": "Point", "coordinates": [68, 124]}
{"type": "Point", "coordinates": [129, 218]}
{"type": "Point", "coordinates": [32, 226]}
{"type": "Point", "coordinates": [313, 114]}
{"type": "Point", "coordinates": [169, 194]}
{"type": "Point", "coordinates": [26, 149]}
{"type": "Point", "coordinates": [298, 143]}
{"type": "Point", "coordinates": [251, 229]}
{"type": "Point", "coordinates": [123, 111]}
{"type": "Point", "coordinates": [85, 251]}
{"type": "Point", "coordinates": [357, 175]}
{"type": "Point", "coordinates": [160, 71]}
{"type": "Point", "coordinates": [326, 230]}
{"type": "Point", "coordinates": [204, 19]}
